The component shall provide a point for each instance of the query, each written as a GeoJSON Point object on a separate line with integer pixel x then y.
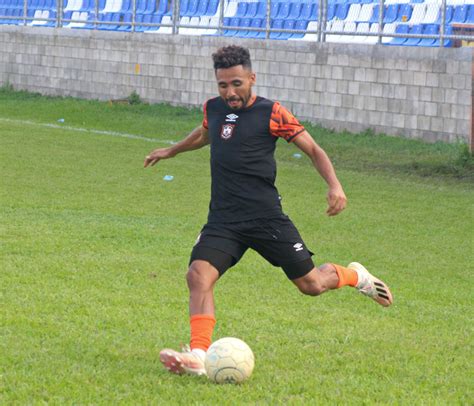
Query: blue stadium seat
{"type": "Point", "coordinates": [241, 9]}
{"type": "Point", "coordinates": [470, 15]}
{"type": "Point", "coordinates": [211, 8]}
{"type": "Point", "coordinates": [401, 29]}
{"type": "Point", "coordinates": [460, 14]}
{"type": "Point", "coordinates": [276, 24]}
{"type": "Point", "coordinates": [155, 19]}
{"type": "Point", "coordinates": [50, 5]}
{"type": "Point", "coordinates": [162, 8]}
{"type": "Point", "coordinates": [16, 12]}
{"type": "Point", "coordinates": [141, 6]}
{"type": "Point", "coordinates": [331, 12]}
{"type": "Point", "coordinates": [416, 29]}
{"type": "Point", "coordinates": [192, 9]}
{"type": "Point", "coordinates": [244, 22]}
{"type": "Point", "coordinates": [307, 10]}
{"type": "Point", "coordinates": [284, 10]}
{"type": "Point", "coordinates": [295, 11]}
{"type": "Point", "coordinates": [126, 20]}
{"type": "Point", "coordinates": [127, 6]}
{"type": "Point", "coordinates": [341, 11]}
{"type": "Point", "coordinates": [252, 9]}
{"type": "Point", "coordinates": [449, 15]}
{"type": "Point", "coordinates": [9, 12]}
{"type": "Point", "coordinates": [375, 15]}
{"type": "Point", "coordinates": [261, 10]}
{"type": "Point", "coordinates": [274, 8]}
{"type": "Point", "coordinates": [139, 19]}
{"type": "Point", "coordinates": [110, 17]}
{"type": "Point", "coordinates": [150, 8]}
{"type": "Point", "coordinates": [391, 13]}
{"type": "Point", "coordinates": [404, 12]}
{"type": "Point", "coordinates": [447, 42]}
{"type": "Point", "coordinates": [202, 7]}
{"type": "Point", "coordinates": [300, 25]}
{"type": "Point", "coordinates": [288, 25]}
{"type": "Point", "coordinates": [232, 22]}
{"type": "Point", "coordinates": [183, 7]}
{"type": "Point", "coordinates": [256, 23]}
{"type": "Point", "coordinates": [429, 29]}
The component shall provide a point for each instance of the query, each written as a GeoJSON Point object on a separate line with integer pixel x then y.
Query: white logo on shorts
{"type": "Point", "coordinates": [298, 246]}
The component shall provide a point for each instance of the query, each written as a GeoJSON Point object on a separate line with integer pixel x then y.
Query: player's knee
{"type": "Point", "coordinates": [312, 288]}
{"type": "Point", "coordinates": [326, 268]}
{"type": "Point", "coordinates": [198, 278]}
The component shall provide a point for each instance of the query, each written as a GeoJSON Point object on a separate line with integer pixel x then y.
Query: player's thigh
{"type": "Point", "coordinates": [220, 252]}
{"type": "Point", "coordinates": [280, 243]}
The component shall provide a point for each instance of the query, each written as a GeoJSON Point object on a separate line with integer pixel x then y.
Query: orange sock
{"type": "Point", "coordinates": [346, 276]}
{"type": "Point", "coordinates": [202, 326]}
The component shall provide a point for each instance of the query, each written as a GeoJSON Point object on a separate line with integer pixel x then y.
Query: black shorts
{"type": "Point", "coordinates": [276, 239]}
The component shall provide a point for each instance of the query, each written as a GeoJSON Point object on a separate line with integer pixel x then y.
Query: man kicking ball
{"type": "Point", "coordinates": [245, 210]}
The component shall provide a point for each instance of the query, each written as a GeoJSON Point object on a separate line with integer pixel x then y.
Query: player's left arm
{"type": "Point", "coordinates": [336, 197]}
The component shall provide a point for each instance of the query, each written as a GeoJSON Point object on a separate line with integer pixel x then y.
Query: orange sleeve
{"type": "Point", "coordinates": [204, 120]}
{"type": "Point", "coordinates": [284, 124]}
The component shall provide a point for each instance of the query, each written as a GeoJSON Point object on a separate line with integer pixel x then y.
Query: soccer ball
{"type": "Point", "coordinates": [229, 360]}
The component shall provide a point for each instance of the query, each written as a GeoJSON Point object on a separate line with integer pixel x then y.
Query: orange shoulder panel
{"type": "Point", "coordinates": [284, 124]}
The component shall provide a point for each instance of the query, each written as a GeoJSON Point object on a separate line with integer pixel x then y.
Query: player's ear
{"type": "Point", "coordinates": [252, 78]}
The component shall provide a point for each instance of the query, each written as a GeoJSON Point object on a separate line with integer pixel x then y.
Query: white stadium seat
{"type": "Point", "coordinates": [231, 9]}
{"type": "Point", "coordinates": [362, 28]}
{"type": "Point", "coordinates": [353, 13]}
{"type": "Point", "coordinates": [214, 22]}
{"type": "Point", "coordinates": [312, 26]}
{"type": "Point", "coordinates": [432, 13]}
{"type": "Point", "coordinates": [388, 29]}
{"type": "Point", "coordinates": [337, 25]}
{"type": "Point", "coordinates": [163, 30]}
{"type": "Point", "coordinates": [366, 12]}
{"type": "Point", "coordinates": [418, 14]}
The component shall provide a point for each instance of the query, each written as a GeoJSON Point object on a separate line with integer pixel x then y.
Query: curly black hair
{"type": "Point", "coordinates": [231, 55]}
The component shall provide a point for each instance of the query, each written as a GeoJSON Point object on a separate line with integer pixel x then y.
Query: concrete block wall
{"type": "Point", "coordinates": [414, 92]}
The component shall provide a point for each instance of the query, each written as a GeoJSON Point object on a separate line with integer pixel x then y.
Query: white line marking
{"type": "Point", "coordinates": [92, 131]}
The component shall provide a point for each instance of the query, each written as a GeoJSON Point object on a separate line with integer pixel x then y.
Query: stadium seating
{"type": "Point", "coordinates": [348, 21]}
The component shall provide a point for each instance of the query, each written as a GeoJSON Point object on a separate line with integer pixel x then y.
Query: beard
{"type": "Point", "coordinates": [237, 102]}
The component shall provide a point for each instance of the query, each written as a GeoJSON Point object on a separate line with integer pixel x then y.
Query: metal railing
{"type": "Point", "coordinates": [63, 17]}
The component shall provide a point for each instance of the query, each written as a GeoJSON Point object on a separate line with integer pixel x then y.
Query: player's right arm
{"type": "Point", "coordinates": [198, 138]}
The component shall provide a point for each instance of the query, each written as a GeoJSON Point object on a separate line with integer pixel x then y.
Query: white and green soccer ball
{"type": "Point", "coordinates": [229, 360]}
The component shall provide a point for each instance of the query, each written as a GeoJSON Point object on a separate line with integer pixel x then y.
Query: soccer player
{"type": "Point", "coordinates": [245, 210]}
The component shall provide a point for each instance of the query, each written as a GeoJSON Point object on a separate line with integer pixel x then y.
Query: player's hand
{"type": "Point", "coordinates": [336, 201]}
{"type": "Point", "coordinates": [154, 156]}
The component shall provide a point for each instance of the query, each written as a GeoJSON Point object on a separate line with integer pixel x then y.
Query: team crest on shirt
{"type": "Point", "coordinates": [227, 131]}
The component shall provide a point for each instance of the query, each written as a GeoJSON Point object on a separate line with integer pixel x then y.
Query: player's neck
{"type": "Point", "coordinates": [251, 101]}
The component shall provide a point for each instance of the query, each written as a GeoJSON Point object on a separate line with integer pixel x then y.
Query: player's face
{"type": "Point", "coordinates": [235, 86]}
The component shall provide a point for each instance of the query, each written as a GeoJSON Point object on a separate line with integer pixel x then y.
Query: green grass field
{"type": "Point", "coordinates": [94, 251]}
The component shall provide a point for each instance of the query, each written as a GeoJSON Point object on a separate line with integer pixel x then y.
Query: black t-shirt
{"type": "Point", "coordinates": [243, 168]}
